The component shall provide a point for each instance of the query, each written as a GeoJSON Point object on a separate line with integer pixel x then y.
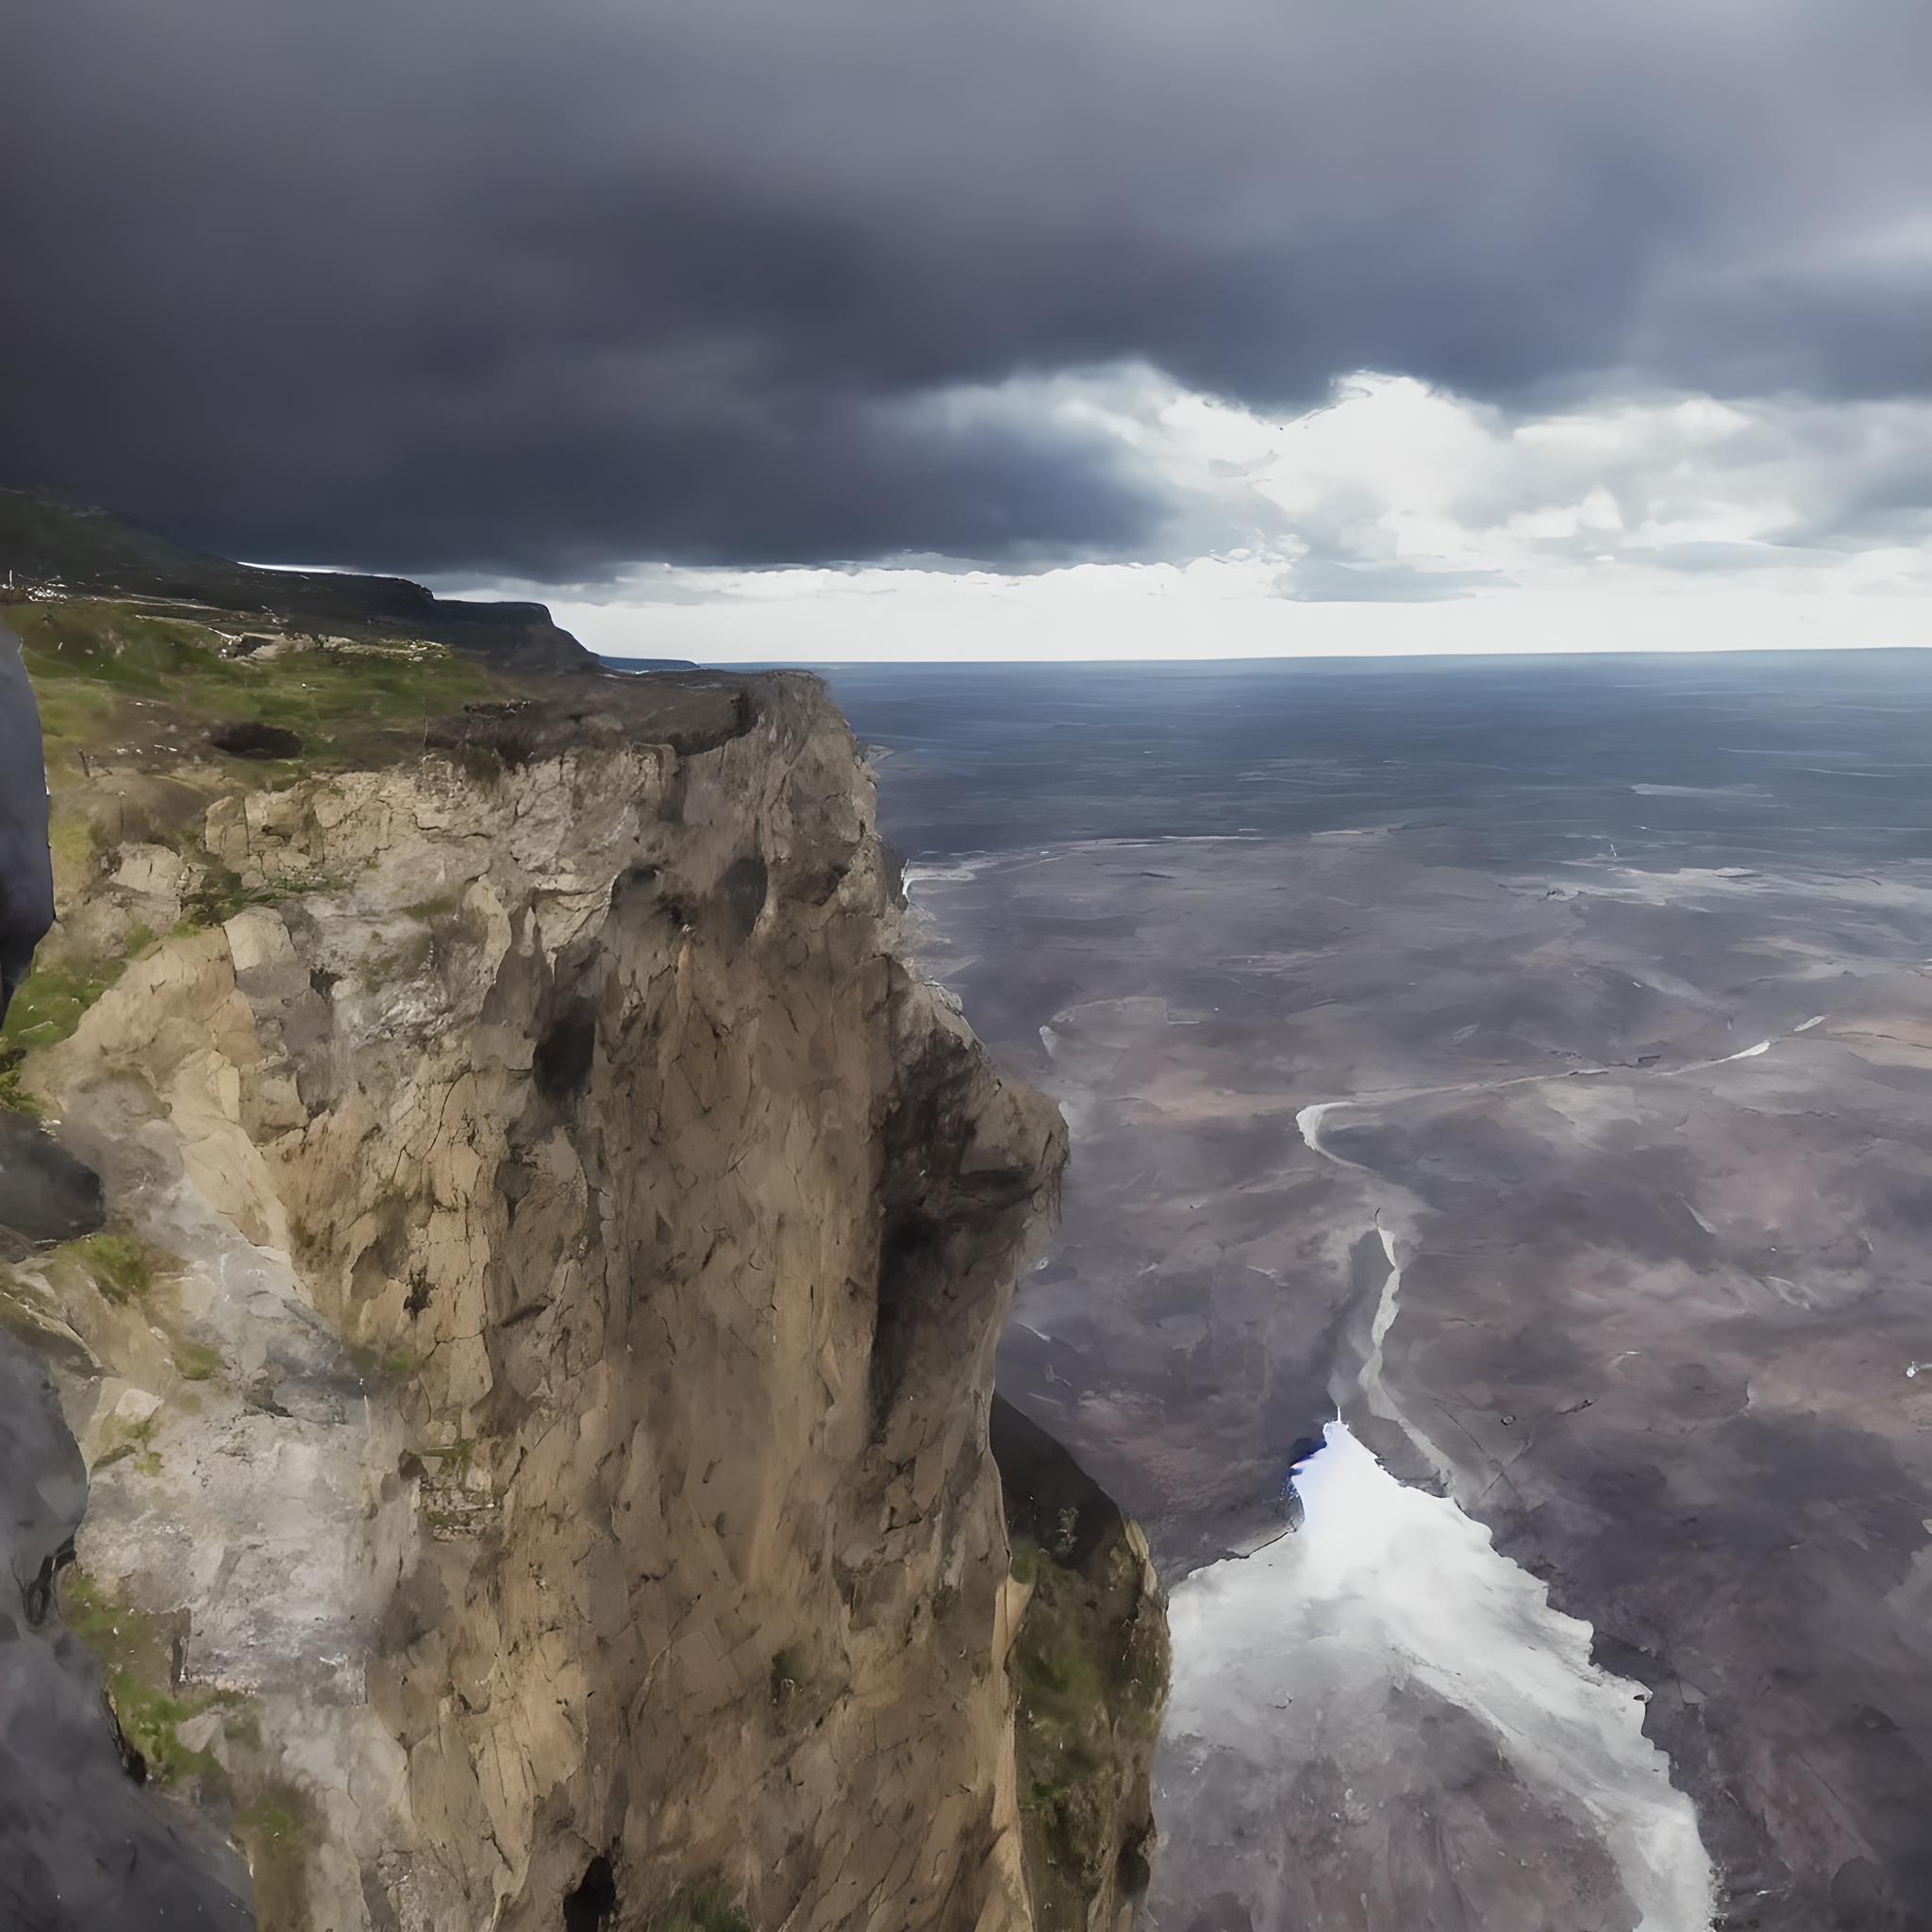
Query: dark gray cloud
{"type": "Point", "coordinates": [471, 284]}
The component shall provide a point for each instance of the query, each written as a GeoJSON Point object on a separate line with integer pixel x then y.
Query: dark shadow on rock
{"type": "Point", "coordinates": [562, 1061]}
{"type": "Point", "coordinates": [45, 1194]}
{"type": "Point", "coordinates": [594, 1904]}
{"type": "Point", "coordinates": [81, 1845]}
{"type": "Point", "coordinates": [744, 886]}
{"type": "Point", "coordinates": [1048, 1496]}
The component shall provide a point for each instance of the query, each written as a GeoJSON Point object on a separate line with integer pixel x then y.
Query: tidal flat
{"type": "Point", "coordinates": [1527, 1065]}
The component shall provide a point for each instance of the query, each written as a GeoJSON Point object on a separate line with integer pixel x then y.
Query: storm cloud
{"type": "Point", "coordinates": [471, 286]}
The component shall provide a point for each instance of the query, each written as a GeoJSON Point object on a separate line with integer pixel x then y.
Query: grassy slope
{"type": "Point", "coordinates": [128, 698]}
{"type": "Point", "coordinates": [93, 553]}
{"type": "Point", "coordinates": [40, 539]}
{"type": "Point", "coordinates": [119, 683]}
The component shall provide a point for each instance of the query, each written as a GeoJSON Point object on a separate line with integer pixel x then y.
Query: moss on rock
{"type": "Point", "coordinates": [160, 1718]}
{"type": "Point", "coordinates": [1089, 1670]}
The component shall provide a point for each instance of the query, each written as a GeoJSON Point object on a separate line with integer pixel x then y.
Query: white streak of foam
{"type": "Point", "coordinates": [1749, 1053]}
{"type": "Point", "coordinates": [1375, 1387]}
{"type": "Point", "coordinates": [1309, 1124]}
{"type": "Point", "coordinates": [956, 872]}
{"type": "Point", "coordinates": [1379, 1569]}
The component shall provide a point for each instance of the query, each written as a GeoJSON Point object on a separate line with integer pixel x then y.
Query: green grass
{"type": "Point", "coordinates": [77, 844]}
{"type": "Point", "coordinates": [438, 908]}
{"type": "Point", "coordinates": [136, 1654]}
{"type": "Point", "coordinates": [1090, 1674]}
{"type": "Point", "coordinates": [275, 1829]}
{"type": "Point", "coordinates": [136, 1444]}
{"type": "Point", "coordinates": [117, 681]}
{"type": "Point", "coordinates": [48, 538]}
{"type": "Point", "coordinates": [55, 995]}
{"type": "Point", "coordinates": [197, 1361]}
{"type": "Point", "coordinates": [216, 899]}
{"type": "Point", "coordinates": [273, 1818]}
{"type": "Point", "coordinates": [222, 893]}
{"type": "Point", "coordinates": [14, 1098]}
{"type": "Point", "coordinates": [121, 1266]}
{"type": "Point", "coordinates": [50, 1001]}
{"type": "Point", "coordinates": [119, 685]}
{"type": "Point", "coordinates": [702, 1909]}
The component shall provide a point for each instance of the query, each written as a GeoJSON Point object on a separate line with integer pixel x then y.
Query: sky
{"type": "Point", "coordinates": [1001, 327]}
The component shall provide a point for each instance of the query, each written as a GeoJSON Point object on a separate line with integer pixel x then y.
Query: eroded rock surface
{"type": "Point", "coordinates": [1092, 1670]}
{"type": "Point", "coordinates": [550, 1406]}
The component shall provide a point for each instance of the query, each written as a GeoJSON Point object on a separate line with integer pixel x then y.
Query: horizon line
{"type": "Point", "coordinates": [1276, 658]}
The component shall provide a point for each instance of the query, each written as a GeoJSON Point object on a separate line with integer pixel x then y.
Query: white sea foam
{"type": "Point", "coordinates": [1700, 790]}
{"type": "Point", "coordinates": [1404, 1581]}
{"type": "Point", "coordinates": [1375, 1387]}
{"type": "Point", "coordinates": [1307, 1123]}
{"type": "Point", "coordinates": [957, 871]}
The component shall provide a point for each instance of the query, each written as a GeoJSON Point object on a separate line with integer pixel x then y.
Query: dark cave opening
{"type": "Point", "coordinates": [594, 1904]}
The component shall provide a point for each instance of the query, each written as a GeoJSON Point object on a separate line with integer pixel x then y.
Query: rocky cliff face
{"type": "Point", "coordinates": [1091, 1666]}
{"type": "Point", "coordinates": [535, 1378]}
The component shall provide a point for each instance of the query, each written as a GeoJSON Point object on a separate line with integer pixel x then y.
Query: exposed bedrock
{"type": "Point", "coordinates": [551, 1401]}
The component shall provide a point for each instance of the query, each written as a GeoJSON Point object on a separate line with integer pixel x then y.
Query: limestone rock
{"type": "Point", "coordinates": [587, 1244]}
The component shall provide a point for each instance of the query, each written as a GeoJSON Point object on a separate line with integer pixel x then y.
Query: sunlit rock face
{"type": "Point", "coordinates": [573, 1249]}
{"type": "Point", "coordinates": [81, 1842]}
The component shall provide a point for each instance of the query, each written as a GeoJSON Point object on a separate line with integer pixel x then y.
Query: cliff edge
{"type": "Point", "coordinates": [535, 1375]}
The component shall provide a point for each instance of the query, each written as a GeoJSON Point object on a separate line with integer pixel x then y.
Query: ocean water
{"type": "Point", "coordinates": [1772, 756]}
{"type": "Point", "coordinates": [1327, 962]}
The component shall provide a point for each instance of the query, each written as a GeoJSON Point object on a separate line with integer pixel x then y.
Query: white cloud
{"type": "Point", "coordinates": [1399, 517]}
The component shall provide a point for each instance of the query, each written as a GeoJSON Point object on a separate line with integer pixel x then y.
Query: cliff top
{"type": "Point", "coordinates": [125, 685]}
{"type": "Point", "coordinates": [148, 717]}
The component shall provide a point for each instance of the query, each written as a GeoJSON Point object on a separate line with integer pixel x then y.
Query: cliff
{"type": "Point", "coordinates": [1090, 1667]}
{"type": "Point", "coordinates": [44, 542]}
{"type": "Point", "coordinates": [535, 1375]}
